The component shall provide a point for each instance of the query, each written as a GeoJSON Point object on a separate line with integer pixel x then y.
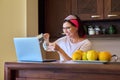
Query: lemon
{"type": "Point", "coordinates": [84, 56]}
{"type": "Point", "coordinates": [92, 55]}
{"type": "Point", "coordinates": [105, 56]}
{"type": "Point", "coordinates": [77, 55]}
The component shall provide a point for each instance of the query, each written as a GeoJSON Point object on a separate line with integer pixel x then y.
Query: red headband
{"type": "Point", "coordinates": [75, 22]}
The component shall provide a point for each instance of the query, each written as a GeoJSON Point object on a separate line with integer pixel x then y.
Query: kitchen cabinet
{"type": "Point", "coordinates": [60, 71]}
{"type": "Point", "coordinates": [96, 9]}
{"type": "Point", "coordinates": [93, 12]}
{"type": "Point", "coordinates": [88, 9]}
{"type": "Point", "coordinates": [112, 9]}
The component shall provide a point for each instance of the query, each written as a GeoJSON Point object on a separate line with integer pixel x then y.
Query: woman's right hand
{"type": "Point", "coordinates": [46, 41]}
{"type": "Point", "coordinates": [46, 36]}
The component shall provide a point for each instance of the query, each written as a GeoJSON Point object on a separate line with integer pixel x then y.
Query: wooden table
{"type": "Point", "coordinates": [60, 71]}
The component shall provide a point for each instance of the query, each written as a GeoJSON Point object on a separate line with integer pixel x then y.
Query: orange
{"type": "Point", "coordinates": [84, 56]}
{"type": "Point", "coordinates": [92, 55]}
{"type": "Point", "coordinates": [105, 56]}
{"type": "Point", "coordinates": [77, 55]}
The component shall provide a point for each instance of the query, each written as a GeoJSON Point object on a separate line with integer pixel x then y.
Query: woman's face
{"type": "Point", "coordinates": [69, 29]}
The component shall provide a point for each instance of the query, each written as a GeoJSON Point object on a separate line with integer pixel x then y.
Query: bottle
{"type": "Point", "coordinates": [111, 30]}
{"type": "Point", "coordinates": [91, 31]}
{"type": "Point", "coordinates": [103, 30]}
{"type": "Point", "coordinates": [97, 30]}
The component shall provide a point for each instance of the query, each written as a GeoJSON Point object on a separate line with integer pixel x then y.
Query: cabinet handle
{"type": "Point", "coordinates": [95, 16]}
{"type": "Point", "coordinates": [112, 15]}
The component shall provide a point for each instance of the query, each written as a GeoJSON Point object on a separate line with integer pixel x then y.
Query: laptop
{"type": "Point", "coordinates": [28, 49]}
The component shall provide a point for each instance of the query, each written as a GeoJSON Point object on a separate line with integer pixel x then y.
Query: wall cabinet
{"type": "Point", "coordinates": [112, 9]}
{"type": "Point", "coordinates": [88, 10]}
{"type": "Point", "coordinates": [96, 9]}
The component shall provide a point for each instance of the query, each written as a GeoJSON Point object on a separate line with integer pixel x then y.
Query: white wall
{"type": "Point", "coordinates": [107, 44]}
{"type": "Point", "coordinates": [14, 15]}
{"type": "Point", "coordinates": [32, 17]}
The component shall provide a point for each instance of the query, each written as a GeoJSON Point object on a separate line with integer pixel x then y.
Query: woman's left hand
{"type": "Point", "coordinates": [54, 47]}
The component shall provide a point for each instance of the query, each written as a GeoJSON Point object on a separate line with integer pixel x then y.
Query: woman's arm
{"type": "Point", "coordinates": [54, 47]}
{"type": "Point", "coordinates": [46, 42]}
{"type": "Point", "coordinates": [61, 52]}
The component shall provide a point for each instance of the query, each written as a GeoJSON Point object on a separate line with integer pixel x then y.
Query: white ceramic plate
{"type": "Point", "coordinates": [90, 62]}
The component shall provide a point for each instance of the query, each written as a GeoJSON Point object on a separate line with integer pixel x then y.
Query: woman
{"type": "Point", "coordinates": [74, 39]}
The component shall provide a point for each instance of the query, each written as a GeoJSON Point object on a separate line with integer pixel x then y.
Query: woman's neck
{"type": "Point", "coordinates": [76, 39]}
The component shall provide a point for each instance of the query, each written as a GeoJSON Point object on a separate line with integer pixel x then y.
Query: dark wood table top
{"type": "Point", "coordinates": [112, 67]}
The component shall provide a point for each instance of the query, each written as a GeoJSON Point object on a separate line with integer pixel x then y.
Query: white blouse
{"type": "Point", "coordinates": [70, 47]}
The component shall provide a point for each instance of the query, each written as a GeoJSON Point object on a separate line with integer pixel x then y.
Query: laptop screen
{"type": "Point", "coordinates": [28, 49]}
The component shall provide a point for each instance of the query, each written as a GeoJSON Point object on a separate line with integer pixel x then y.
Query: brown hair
{"type": "Point", "coordinates": [81, 31]}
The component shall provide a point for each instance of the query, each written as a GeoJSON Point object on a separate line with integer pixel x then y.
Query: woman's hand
{"type": "Point", "coordinates": [46, 36]}
{"type": "Point", "coordinates": [54, 47]}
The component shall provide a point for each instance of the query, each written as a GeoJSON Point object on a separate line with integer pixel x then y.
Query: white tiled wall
{"type": "Point", "coordinates": [101, 44]}
{"type": "Point", "coordinates": [107, 44]}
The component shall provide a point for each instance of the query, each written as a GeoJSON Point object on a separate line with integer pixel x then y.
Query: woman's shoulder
{"type": "Point", "coordinates": [64, 38]}
{"type": "Point", "coordinates": [86, 41]}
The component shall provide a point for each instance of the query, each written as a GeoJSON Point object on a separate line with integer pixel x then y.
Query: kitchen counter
{"type": "Point", "coordinates": [61, 71]}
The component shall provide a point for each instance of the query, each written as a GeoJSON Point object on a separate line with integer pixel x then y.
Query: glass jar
{"type": "Point", "coordinates": [91, 31]}
{"type": "Point", "coordinates": [97, 30]}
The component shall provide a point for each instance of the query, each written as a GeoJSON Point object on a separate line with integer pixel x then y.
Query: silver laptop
{"type": "Point", "coordinates": [28, 50]}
